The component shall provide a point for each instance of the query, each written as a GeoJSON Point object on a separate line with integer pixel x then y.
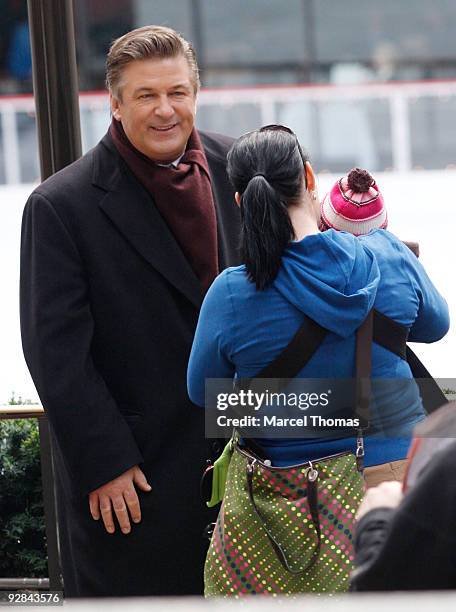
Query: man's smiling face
{"type": "Point", "coordinates": [156, 104]}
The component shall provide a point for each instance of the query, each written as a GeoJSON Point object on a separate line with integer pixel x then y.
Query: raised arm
{"type": "Point", "coordinates": [433, 320]}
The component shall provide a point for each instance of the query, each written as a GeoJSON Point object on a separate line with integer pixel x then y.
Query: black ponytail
{"type": "Point", "coordinates": [266, 168]}
{"type": "Point", "coordinates": [266, 231]}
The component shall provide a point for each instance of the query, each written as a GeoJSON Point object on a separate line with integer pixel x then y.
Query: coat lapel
{"type": "Point", "coordinates": [133, 212]}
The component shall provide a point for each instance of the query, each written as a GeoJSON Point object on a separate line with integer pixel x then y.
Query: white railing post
{"type": "Point", "coordinates": [10, 145]}
{"type": "Point", "coordinates": [268, 111]}
{"type": "Point", "coordinates": [400, 131]}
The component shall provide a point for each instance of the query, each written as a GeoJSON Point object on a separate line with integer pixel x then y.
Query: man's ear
{"type": "Point", "coordinates": [237, 197]}
{"type": "Point", "coordinates": [310, 177]}
{"type": "Point", "coordinates": [115, 107]}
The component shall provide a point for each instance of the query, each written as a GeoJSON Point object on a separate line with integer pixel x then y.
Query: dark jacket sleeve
{"type": "Point", "coordinates": [57, 328]}
{"type": "Point", "coordinates": [413, 547]}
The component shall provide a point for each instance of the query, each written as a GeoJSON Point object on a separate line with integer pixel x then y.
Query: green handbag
{"type": "Point", "coordinates": [285, 530]}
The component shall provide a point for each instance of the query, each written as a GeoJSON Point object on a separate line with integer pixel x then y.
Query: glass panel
{"type": "Point", "coordinates": [257, 31]}
{"type": "Point", "coordinates": [106, 20]}
{"type": "Point", "coordinates": [433, 132]}
{"type": "Point", "coordinates": [384, 31]}
{"type": "Point", "coordinates": [232, 120]}
{"type": "Point", "coordinates": [98, 24]}
{"type": "Point", "coordinates": [2, 156]}
{"type": "Point", "coordinates": [28, 147]}
{"type": "Point", "coordinates": [176, 15]}
{"type": "Point", "coordinates": [15, 60]}
{"type": "Point", "coordinates": [341, 135]}
{"type": "Point", "coordinates": [234, 78]}
{"type": "Point", "coordinates": [94, 125]}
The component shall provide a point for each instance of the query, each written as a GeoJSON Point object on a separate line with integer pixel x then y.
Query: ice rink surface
{"type": "Point", "coordinates": [420, 208]}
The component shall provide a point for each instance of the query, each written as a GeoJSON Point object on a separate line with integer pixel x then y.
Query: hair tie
{"type": "Point", "coordinates": [258, 174]}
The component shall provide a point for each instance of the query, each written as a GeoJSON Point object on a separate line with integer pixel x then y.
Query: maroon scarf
{"type": "Point", "coordinates": [183, 196]}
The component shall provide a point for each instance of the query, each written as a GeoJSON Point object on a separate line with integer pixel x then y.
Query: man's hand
{"type": "Point", "coordinates": [121, 495]}
{"type": "Point", "coordinates": [385, 495]}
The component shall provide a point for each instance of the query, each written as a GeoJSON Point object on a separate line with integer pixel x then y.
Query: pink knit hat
{"type": "Point", "coordinates": [354, 205]}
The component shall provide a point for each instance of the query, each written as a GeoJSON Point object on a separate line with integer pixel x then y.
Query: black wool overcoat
{"type": "Point", "coordinates": [109, 306]}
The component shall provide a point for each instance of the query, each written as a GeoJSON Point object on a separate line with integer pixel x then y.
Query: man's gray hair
{"type": "Point", "coordinates": [147, 42]}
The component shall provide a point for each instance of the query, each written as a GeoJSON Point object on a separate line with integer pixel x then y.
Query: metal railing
{"type": "Point", "coordinates": [54, 581]}
{"type": "Point", "coordinates": [392, 126]}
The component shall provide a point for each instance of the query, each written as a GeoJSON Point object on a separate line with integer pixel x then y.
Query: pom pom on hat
{"type": "Point", "coordinates": [359, 180]}
{"type": "Point", "coordinates": [354, 204]}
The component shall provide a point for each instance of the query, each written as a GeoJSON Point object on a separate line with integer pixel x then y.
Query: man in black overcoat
{"type": "Point", "coordinates": [118, 250]}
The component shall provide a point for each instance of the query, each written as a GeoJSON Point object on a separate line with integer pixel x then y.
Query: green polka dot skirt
{"type": "Point", "coordinates": [242, 560]}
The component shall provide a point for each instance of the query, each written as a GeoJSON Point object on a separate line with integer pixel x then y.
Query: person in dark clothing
{"type": "Point", "coordinates": [118, 250]}
{"type": "Point", "coordinates": [407, 541]}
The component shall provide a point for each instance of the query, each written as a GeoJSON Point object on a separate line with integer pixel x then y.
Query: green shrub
{"type": "Point", "coordinates": [22, 530]}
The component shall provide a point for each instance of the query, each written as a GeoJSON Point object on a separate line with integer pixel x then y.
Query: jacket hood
{"type": "Point", "coordinates": [331, 277]}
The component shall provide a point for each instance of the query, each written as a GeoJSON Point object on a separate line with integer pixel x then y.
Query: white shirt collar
{"type": "Point", "coordinates": [173, 164]}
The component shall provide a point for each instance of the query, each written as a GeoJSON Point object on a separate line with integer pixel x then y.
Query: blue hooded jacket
{"type": "Point", "coordinates": [335, 279]}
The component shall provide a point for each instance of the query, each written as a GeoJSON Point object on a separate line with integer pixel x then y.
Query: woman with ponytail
{"type": "Point", "coordinates": [266, 197]}
{"type": "Point", "coordinates": [292, 272]}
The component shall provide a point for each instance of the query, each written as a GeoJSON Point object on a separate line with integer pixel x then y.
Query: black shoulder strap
{"type": "Point", "coordinates": [294, 356]}
{"type": "Point", "coordinates": [393, 336]}
{"type": "Point", "coordinates": [431, 394]}
{"type": "Point", "coordinates": [297, 353]}
{"type": "Point", "coordinates": [390, 334]}
{"type": "Point", "coordinates": [303, 346]}
{"type": "Point", "coordinates": [386, 332]}
{"type": "Point", "coordinates": [364, 337]}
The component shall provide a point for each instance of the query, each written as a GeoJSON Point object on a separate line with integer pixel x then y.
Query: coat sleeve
{"type": "Point", "coordinates": [57, 329]}
{"type": "Point", "coordinates": [413, 547]}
